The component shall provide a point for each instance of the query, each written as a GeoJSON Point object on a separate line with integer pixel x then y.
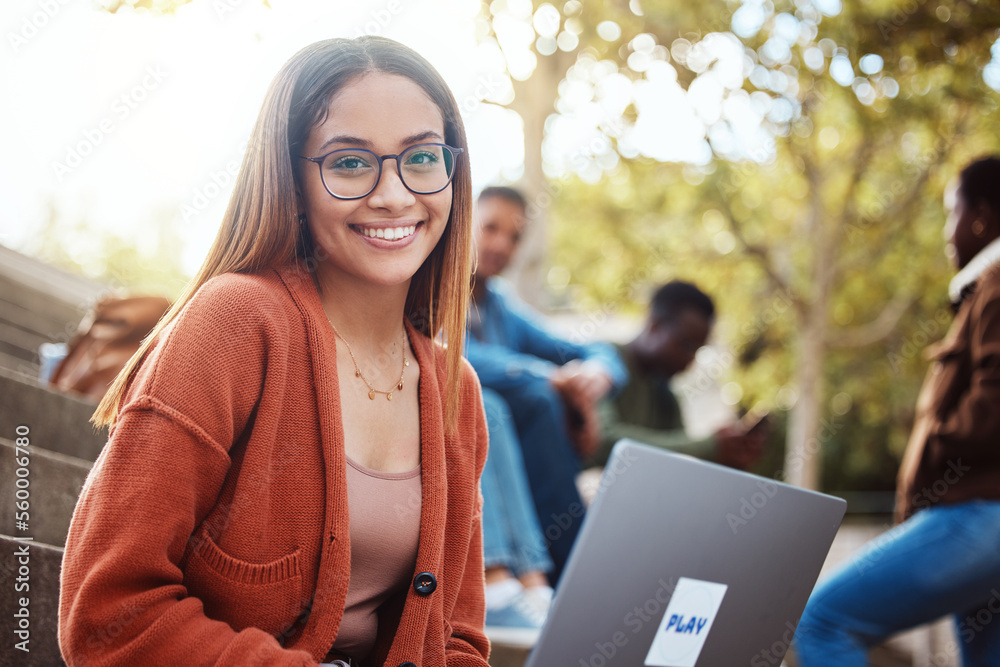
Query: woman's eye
{"type": "Point", "coordinates": [349, 163]}
{"type": "Point", "coordinates": [422, 158]}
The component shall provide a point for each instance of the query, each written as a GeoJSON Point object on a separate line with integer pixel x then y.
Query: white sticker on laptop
{"type": "Point", "coordinates": [686, 623]}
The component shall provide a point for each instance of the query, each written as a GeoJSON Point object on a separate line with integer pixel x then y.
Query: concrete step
{"type": "Point", "coordinates": [40, 576]}
{"type": "Point", "coordinates": [39, 304]}
{"type": "Point", "coordinates": [57, 422]}
{"type": "Point", "coordinates": [507, 655]}
{"type": "Point", "coordinates": [54, 484]}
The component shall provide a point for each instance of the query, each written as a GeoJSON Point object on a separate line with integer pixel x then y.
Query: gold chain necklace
{"type": "Point", "coordinates": [357, 369]}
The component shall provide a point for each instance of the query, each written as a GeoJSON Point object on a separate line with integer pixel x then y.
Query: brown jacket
{"type": "Point", "coordinates": [213, 529]}
{"type": "Point", "coordinates": [954, 450]}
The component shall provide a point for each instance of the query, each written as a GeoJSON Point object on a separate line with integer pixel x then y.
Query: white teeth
{"type": "Point", "coordinates": [389, 233]}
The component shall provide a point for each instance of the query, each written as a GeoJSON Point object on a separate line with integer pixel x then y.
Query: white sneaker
{"type": "Point", "coordinates": [518, 623]}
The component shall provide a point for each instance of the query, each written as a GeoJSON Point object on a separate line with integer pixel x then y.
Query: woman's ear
{"type": "Point", "coordinates": [300, 202]}
{"type": "Point", "coordinates": [990, 220]}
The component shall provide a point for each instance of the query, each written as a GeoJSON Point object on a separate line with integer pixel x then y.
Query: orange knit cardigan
{"type": "Point", "coordinates": [213, 528]}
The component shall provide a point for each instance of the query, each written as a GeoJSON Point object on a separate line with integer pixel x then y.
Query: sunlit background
{"type": "Point", "coordinates": [125, 118]}
{"type": "Point", "coordinates": [789, 156]}
{"type": "Point", "coordinates": [178, 95]}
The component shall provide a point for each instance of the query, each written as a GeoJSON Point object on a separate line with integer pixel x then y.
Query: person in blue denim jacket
{"type": "Point", "coordinates": [543, 391]}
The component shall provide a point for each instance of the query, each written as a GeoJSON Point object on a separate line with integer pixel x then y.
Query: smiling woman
{"type": "Point", "coordinates": [255, 503]}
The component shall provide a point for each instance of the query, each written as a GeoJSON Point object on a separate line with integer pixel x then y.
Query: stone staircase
{"type": "Point", "coordinates": [62, 448]}
{"type": "Point", "coordinates": [38, 304]}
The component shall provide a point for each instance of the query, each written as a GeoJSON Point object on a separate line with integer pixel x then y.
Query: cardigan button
{"type": "Point", "coordinates": [424, 584]}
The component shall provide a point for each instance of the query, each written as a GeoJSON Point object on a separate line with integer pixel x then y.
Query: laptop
{"type": "Point", "coordinates": [684, 563]}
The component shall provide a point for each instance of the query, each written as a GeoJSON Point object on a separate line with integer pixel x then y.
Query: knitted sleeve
{"type": "Point", "coordinates": [123, 600]}
{"type": "Point", "coordinates": [467, 646]}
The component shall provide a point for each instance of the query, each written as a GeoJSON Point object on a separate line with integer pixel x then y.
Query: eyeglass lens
{"type": "Point", "coordinates": [352, 172]}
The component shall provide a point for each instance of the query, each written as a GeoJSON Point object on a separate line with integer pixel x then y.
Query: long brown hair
{"type": "Point", "coordinates": [260, 227]}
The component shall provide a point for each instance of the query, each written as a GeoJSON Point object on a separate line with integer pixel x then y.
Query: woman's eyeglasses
{"type": "Point", "coordinates": [352, 173]}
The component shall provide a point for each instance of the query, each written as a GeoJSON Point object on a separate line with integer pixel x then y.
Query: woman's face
{"type": "Point", "coordinates": [499, 225]}
{"type": "Point", "coordinates": [962, 243]}
{"type": "Point", "coordinates": [384, 113]}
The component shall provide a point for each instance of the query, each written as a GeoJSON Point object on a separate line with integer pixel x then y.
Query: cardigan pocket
{"type": "Point", "coordinates": [948, 378]}
{"type": "Point", "coordinates": [259, 595]}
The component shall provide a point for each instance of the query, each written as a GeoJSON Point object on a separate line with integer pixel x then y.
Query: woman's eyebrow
{"type": "Point", "coordinates": [346, 139]}
{"type": "Point", "coordinates": [364, 143]}
{"type": "Point", "coordinates": [422, 136]}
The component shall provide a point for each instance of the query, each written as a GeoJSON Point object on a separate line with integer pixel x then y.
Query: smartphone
{"type": "Point", "coordinates": [755, 420]}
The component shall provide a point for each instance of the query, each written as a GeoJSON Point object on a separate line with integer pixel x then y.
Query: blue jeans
{"type": "Point", "coordinates": [511, 535]}
{"type": "Point", "coordinates": [550, 462]}
{"type": "Point", "coordinates": [943, 560]}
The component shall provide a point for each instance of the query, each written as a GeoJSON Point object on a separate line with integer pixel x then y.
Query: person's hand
{"type": "Point", "coordinates": [584, 431]}
{"type": "Point", "coordinates": [738, 449]}
{"type": "Point", "coordinates": [581, 383]}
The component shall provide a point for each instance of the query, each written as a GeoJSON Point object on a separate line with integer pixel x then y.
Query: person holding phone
{"type": "Point", "coordinates": [680, 321]}
{"type": "Point", "coordinates": [292, 474]}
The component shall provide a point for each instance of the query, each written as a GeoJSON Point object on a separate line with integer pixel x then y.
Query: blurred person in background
{"type": "Point", "coordinates": [679, 324]}
{"type": "Point", "coordinates": [944, 556]}
{"type": "Point", "coordinates": [545, 387]}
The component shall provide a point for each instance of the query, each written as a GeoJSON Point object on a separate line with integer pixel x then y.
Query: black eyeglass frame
{"type": "Point", "coordinates": [378, 177]}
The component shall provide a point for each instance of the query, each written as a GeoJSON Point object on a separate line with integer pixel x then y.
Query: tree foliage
{"type": "Point", "coordinates": [801, 186]}
{"type": "Point", "coordinates": [150, 266]}
{"type": "Point", "coordinates": [839, 214]}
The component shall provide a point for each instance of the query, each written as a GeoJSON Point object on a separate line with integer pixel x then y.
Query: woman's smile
{"type": "Point", "coordinates": [393, 234]}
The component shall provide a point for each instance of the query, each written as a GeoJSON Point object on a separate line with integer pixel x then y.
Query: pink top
{"type": "Point", "coordinates": [384, 509]}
